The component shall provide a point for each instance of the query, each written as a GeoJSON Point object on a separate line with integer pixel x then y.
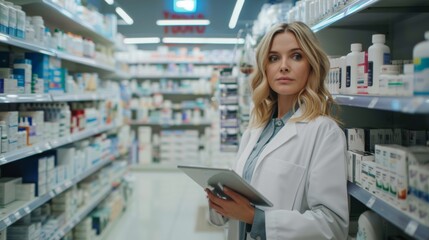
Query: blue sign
{"type": "Point", "coordinates": [185, 6]}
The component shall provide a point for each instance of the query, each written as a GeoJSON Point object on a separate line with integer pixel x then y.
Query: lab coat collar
{"type": "Point", "coordinates": [285, 134]}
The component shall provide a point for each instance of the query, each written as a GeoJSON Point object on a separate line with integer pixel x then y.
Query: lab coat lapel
{"type": "Point", "coordinates": [254, 136]}
{"type": "Point", "coordinates": [284, 135]}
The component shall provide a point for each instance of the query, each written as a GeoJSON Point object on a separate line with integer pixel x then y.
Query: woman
{"type": "Point", "coordinates": [294, 153]}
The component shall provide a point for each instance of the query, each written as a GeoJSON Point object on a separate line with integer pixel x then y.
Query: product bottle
{"type": "Point", "coordinates": [4, 17]}
{"type": "Point", "coordinates": [352, 61]}
{"type": "Point", "coordinates": [378, 55]}
{"type": "Point", "coordinates": [421, 67]}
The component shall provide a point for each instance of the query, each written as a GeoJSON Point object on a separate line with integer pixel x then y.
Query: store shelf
{"type": "Point", "coordinates": [388, 212]}
{"type": "Point", "coordinates": [167, 125]}
{"type": "Point", "coordinates": [5, 39]}
{"type": "Point", "coordinates": [23, 98]}
{"type": "Point", "coordinates": [43, 147]}
{"type": "Point", "coordinates": [81, 214]}
{"type": "Point", "coordinates": [81, 97]}
{"type": "Point", "coordinates": [172, 61]}
{"type": "Point", "coordinates": [90, 62]}
{"type": "Point", "coordinates": [23, 208]}
{"type": "Point", "coordinates": [395, 104]}
{"type": "Point", "coordinates": [172, 76]}
{"type": "Point", "coordinates": [63, 19]}
{"type": "Point", "coordinates": [372, 12]}
{"type": "Point", "coordinates": [343, 13]}
{"type": "Point", "coordinates": [53, 52]}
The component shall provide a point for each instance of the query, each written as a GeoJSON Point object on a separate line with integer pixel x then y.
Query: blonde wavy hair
{"type": "Point", "coordinates": [314, 99]}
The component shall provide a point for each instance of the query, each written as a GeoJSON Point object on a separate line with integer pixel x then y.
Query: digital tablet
{"type": "Point", "coordinates": [216, 178]}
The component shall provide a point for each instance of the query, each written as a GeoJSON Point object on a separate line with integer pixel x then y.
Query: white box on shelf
{"type": "Point", "coordinates": [7, 189]}
{"type": "Point", "coordinates": [25, 192]}
{"type": "Point", "coordinates": [355, 139]}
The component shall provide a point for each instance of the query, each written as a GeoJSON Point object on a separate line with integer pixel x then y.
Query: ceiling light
{"type": "Point", "coordinates": [183, 22]}
{"type": "Point", "coordinates": [147, 40]}
{"type": "Point", "coordinates": [203, 40]}
{"type": "Point", "coordinates": [110, 2]}
{"type": "Point", "coordinates": [235, 14]}
{"type": "Point", "coordinates": [124, 15]}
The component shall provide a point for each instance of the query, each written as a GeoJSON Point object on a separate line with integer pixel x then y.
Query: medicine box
{"type": "Point", "coordinates": [355, 139]}
{"type": "Point", "coordinates": [7, 189]}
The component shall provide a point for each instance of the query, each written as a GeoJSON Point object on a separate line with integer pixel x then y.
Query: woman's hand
{"type": "Point", "coordinates": [238, 207]}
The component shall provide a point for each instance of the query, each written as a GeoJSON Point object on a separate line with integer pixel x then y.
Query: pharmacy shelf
{"type": "Point", "coordinates": [81, 214]}
{"type": "Point", "coordinates": [43, 147]}
{"type": "Point", "coordinates": [82, 97]}
{"type": "Point", "coordinates": [84, 211]}
{"type": "Point", "coordinates": [54, 97]}
{"type": "Point", "coordinates": [21, 208]}
{"type": "Point", "coordinates": [410, 105]}
{"type": "Point", "coordinates": [90, 62]}
{"type": "Point", "coordinates": [5, 39]}
{"type": "Point", "coordinates": [372, 12]}
{"type": "Point", "coordinates": [24, 98]}
{"type": "Point", "coordinates": [63, 19]}
{"type": "Point", "coordinates": [171, 76]}
{"type": "Point", "coordinates": [55, 53]}
{"type": "Point", "coordinates": [343, 13]}
{"type": "Point", "coordinates": [388, 212]}
{"type": "Point", "coordinates": [175, 61]}
{"type": "Point", "coordinates": [169, 125]}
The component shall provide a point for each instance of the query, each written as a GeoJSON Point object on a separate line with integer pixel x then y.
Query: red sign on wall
{"type": "Point", "coordinates": [183, 29]}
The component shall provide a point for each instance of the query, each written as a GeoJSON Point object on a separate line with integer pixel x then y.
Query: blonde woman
{"type": "Point", "coordinates": [294, 152]}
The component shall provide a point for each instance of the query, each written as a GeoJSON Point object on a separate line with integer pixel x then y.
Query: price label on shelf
{"type": "Point", "coordinates": [373, 102]}
{"type": "Point", "coordinates": [3, 160]}
{"type": "Point", "coordinates": [52, 194]}
{"type": "Point", "coordinates": [411, 228]}
{"type": "Point", "coordinates": [371, 201]}
{"type": "Point", "coordinates": [58, 189]}
{"type": "Point", "coordinates": [27, 210]}
{"type": "Point", "coordinates": [7, 221]}
{"type": "Point", "coordinates": [17, 215]}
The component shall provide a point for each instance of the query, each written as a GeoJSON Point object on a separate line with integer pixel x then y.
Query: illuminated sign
{"type": "Point", "coordinates": [185, 6]}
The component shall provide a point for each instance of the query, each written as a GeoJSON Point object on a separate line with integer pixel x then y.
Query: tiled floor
{"type": "Point", "coordinates": [165, 205]}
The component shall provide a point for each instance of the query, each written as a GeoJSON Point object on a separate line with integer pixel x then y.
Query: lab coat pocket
{"type": "Point", "coordinates": [281, 181]}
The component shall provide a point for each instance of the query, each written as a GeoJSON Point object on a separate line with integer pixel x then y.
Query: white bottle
{"type": "Point", "coordinates": [12, 19]}
{"type": "Point", "coordinates": [378, 55]}
{"type": "Point", "coordinates": [342, 81]}
{"type": "Point", "coordinates": [421, 67]}
{"type": "Point", "coordinates": [20, 22]}
{"type": "Point", "coordinates": [4, 17]}
{"type": "Point", "coordinates": [352, 61]}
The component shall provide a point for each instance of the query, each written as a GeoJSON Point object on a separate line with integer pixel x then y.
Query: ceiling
{"type": "Point", "coordinates": [146, 12]}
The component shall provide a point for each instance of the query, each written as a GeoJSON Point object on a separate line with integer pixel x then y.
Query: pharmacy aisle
{"type": "Point", "coordinates": [165, 205]}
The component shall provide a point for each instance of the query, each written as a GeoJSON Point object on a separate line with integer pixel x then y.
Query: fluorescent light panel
{"type": "Point", "coordinates": [203, 40]}
{"type": "Point", "coordinates": [235, 14]}
{"type": "Point", "coordinates": [183, 22]}
{"type": "Point", "coordinates": [147, 40]}
{"type": "Point", "coordinates": [124, 15]}
{"type": "Point", "coordinates": [110, 2]}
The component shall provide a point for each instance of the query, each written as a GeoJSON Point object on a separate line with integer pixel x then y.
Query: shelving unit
{"type": "Point", "coordinates": [171, 76]}
{"type": "Point", "coordinates": [367, 17]}
{"type": "Point", "coordinates": [24, 208]}
{"type": "Point", "coordinates": [387, 211]}
{"type": "Point", "coordinates": [67, 21]}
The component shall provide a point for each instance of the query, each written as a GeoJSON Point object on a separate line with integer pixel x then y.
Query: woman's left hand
{"type": "Point", "coordinates": [238, 207]}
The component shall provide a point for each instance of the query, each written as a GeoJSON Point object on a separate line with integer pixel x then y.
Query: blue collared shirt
{"type": "Point", "coordinates": [272, 128]}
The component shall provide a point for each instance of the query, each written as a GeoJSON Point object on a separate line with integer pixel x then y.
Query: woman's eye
{"type": "Point", "coordinates": [297, 56]}
{"type": "Point", "coordinates": [273, 58]}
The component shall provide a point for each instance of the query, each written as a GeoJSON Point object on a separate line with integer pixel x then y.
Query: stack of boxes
{"type": "Point", "coordinates": [179, 146]}
{"type": "Point", "coordinates": [144, 145]}
{"type": "Point", "coordinates": [394, 173]}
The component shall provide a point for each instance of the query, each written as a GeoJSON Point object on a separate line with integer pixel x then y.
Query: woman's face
{"type": "Point", "coordinates": [288, 68]}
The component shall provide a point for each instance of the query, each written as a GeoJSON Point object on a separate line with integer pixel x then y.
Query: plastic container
{"type": "Point", "coordinates": [352, 61]}
{"type": "Point", "coordinates": [39, 29]}
{"type": "Point", "coordinates": [20, 22]}
{"type": "Point", "coordinates": [421, 67]}
{"type": "Point", "coordinates": [370, 226]}
{"type": "Point", "coordinates": [4, 17]}
{"type": "Point", "coordinates": [378, 54]}
{"type": "Point", "coordinates": [12, 19]}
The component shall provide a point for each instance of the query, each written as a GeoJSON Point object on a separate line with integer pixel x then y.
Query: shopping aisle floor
{"type": "Point", "coordinates": [165, 206]}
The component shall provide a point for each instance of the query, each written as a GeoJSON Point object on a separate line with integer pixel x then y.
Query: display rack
{"type": "Point", "coordinates": [171, 76]}
{"type": "Point", "coordinates": [63, 18]}
{"type": "Point", "coordinates": [23, 208]}
{"type": "Point", "coordinates": [53, 97]}
{"type": "Point", "coordinates": [43, 147]}
{"type": "Point", "coordinates": [54, 14]}
{"type": "Point", "coordinates": [388, 212]}
{"type": "Point", "coordinates": [169, 125]}
{"type": "Point", "coordinates": [396, 104]}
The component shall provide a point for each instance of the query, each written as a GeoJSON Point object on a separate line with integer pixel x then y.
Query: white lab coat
{"type": "Point", "coordinates": [302, 171]}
